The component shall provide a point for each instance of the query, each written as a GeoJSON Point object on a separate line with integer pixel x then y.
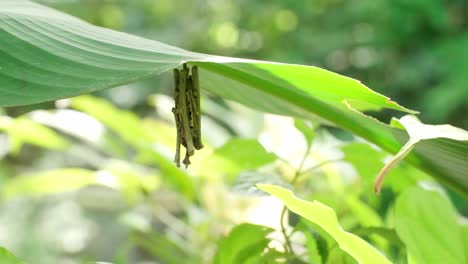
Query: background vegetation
{"type": "Point", "coordinates": [132, 211]}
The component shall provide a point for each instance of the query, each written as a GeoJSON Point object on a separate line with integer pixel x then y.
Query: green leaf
{"type": "Point", "coordinates": [418, 132]}
{"type": "Point", "coordinates": [236, 156]}
{"type": "Point", "coordinates": [325, 217]}
{"type": "Point", "coordinates": [7, 258]}
{"type": "Point", "coordinates": [22, 130]}
{"type": "Point", "coordinates": [387, 233]}
{"type": "Point", "coordinates": [162, 247]}
{"type": "Point", "coordinates": [46, 55]}
{"type": "Point", "coordinates": [427, 223]}
{"type": "Point", "coordinates": [363, 212]}
{"type": "Point", "coordinates": [245, 241]}
{"type": "Point", "coordinates": [46, 183]}
{"type": "Point", "coordinates": [312, 248]}
{"type": "Point", "coordinates": [306, 129]}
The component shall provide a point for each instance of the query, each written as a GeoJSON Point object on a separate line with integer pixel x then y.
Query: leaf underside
{"type": "Point", "coordinates": [47, 55]}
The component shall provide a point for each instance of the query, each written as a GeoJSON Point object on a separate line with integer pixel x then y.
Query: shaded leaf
{"type": "Point", "coordinates": [313, 250]}
{"type": "Point", "coordinates": [160, 246]}
{"type": "Point", "coordinates": [427, 223]}
{"type": "Point", "coordinates": [387, 233]}
{"type": "Point", "coordinates": [417, 132]}
{"type": "Point", "coordinates": [245, 241]}
{"type": "Point", "coordinates": [399, 178]}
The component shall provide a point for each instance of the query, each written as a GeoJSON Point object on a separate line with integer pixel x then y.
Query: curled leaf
{"type": "Point", "coordinates": [417, 132]}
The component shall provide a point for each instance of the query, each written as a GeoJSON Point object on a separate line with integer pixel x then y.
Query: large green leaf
{"type": "Point", "coordinates": [46, 55]}
{"type": "Point", "coordinates": [428, 225]}
{"type": "Point", "coordinates": [325, 217]}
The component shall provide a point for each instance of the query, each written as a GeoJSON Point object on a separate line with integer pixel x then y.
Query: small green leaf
{"type": "Point", "coordinates": [427, 223]}
{"type": "Point", "coordinates": [325, 217]}
{"type": "Point", "coordinates": [387, 233]}
{"type": "Point", "coordinates": [307, 129]}
{"type": "Point", "coordinates": [238, 155]}
{"type": "Point", "coordinates": [7, 258]}
{"type": "Point", "coordinates": [245, 241]}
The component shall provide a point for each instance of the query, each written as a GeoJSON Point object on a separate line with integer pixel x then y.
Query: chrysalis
{"type": "Point", "coordinates": [187, 113]}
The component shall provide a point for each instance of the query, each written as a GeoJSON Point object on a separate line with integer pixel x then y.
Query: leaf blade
{"type": "Point", "coordinates": [325, 217]}
{"type": "Point", "coordinates": [47, 55]}
{"type": "Point", "coordinates": [427, 223]}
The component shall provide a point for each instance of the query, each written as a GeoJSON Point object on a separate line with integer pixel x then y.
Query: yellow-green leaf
{"type": "Point", "coordinates": [325, 217]}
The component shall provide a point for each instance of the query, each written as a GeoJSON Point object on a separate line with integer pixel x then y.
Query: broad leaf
{"type": "Point", "coordinates": [427, 223]}
{"type": "Point", "coordinates": [46, 55]}
{"type": "Point", "coordinates": [325, 217]}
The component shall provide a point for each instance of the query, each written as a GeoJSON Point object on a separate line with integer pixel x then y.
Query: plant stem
{"type": "Point", "coordinates": [288, 245]}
